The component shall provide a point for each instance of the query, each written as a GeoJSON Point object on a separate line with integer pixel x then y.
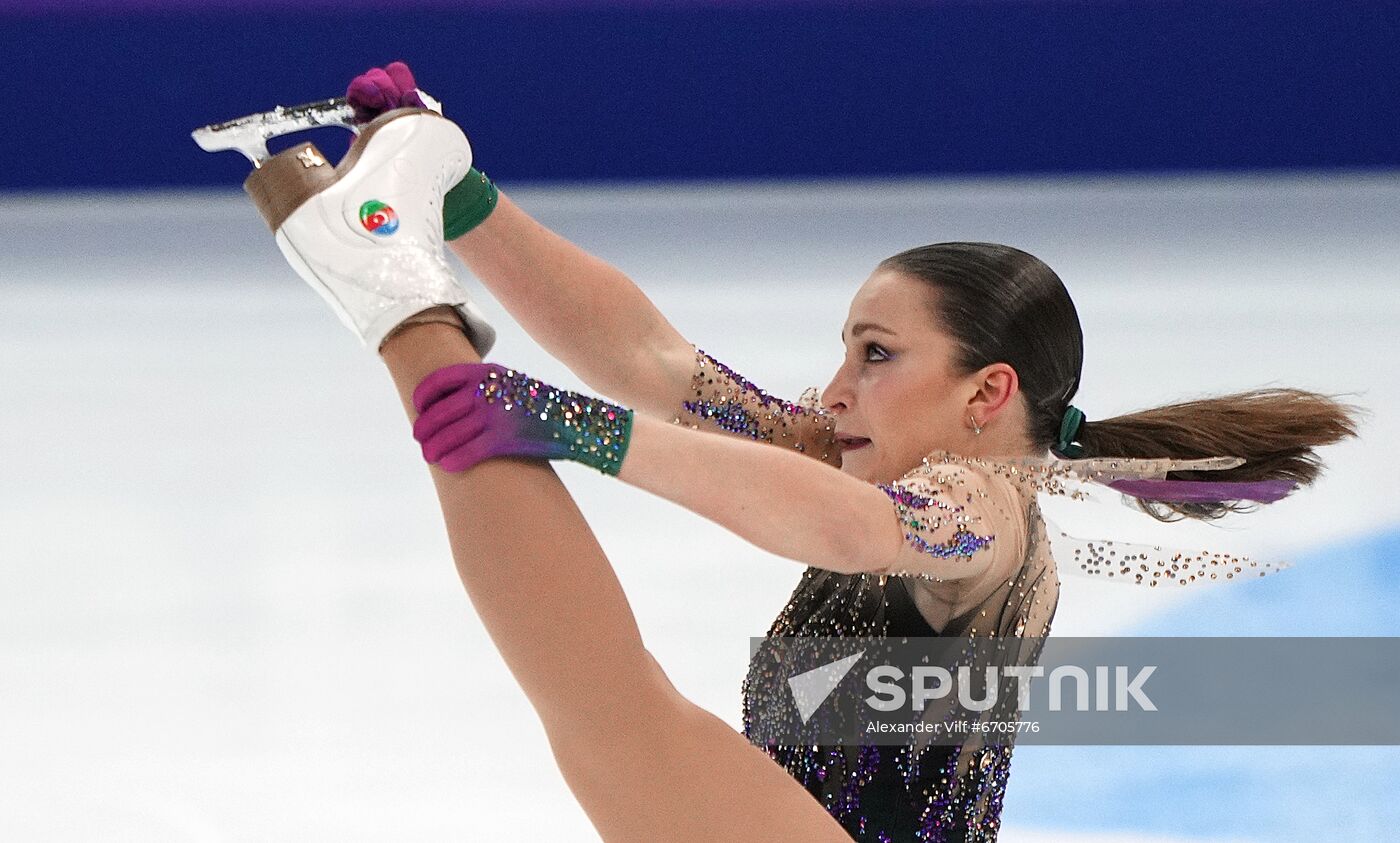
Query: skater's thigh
{"type": "Point", "coordinates": [667, 769]}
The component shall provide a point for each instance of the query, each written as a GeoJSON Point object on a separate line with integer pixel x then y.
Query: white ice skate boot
{"type": "Point", "coordinates": [367, 233]}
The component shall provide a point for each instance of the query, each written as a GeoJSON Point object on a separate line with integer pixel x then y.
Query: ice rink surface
{"type": "Point", "coordinates": [228, 609]}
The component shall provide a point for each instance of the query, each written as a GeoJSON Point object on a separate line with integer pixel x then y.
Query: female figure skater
{"type": "Point", "coordinates": [961, 361]}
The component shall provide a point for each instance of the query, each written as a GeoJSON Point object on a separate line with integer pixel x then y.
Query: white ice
{"type": "Point", "coordinates": [227, 608]}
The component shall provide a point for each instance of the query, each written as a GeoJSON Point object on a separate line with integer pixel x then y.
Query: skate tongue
{"type": "Point", "coordinates": [249, 135]}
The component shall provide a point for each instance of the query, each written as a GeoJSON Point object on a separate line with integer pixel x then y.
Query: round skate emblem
{"type": "Point", "coordinates": [378, 218]}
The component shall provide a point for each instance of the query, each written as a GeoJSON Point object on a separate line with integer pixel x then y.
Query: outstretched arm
{"type": "Point", "coordinates": [813, 513]}
{"type": "Point", "coordinates": [645, 763]}
{"type": "Point", "coordinates": [937, 522]}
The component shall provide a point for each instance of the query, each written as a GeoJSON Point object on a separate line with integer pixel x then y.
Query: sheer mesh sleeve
{"type": "Point", "coordinates": [1115, 560]}
{"type": "Point", "coordinates": [957, 521]}
{"type": "Point", "coordinates": [723, 400]}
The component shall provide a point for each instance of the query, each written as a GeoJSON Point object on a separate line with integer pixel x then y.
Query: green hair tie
{"type": "Point", "coordinates": [468, 204]}
{"type": "Point", "coordinates": [1069, 429]}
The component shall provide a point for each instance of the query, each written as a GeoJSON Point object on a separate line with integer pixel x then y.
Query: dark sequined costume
{"type": "Point", "coordinates": [890, 793]}
{"type": "Point", "coordinates": [951, 508]}
{"type": "Point", "coordinates": [882, 792]}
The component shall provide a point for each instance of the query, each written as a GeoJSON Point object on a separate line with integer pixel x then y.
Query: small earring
{"type": "Point", "coordinates": [976, 428]}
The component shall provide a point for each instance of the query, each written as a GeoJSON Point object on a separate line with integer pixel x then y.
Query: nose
{"type": "Point", "coordinates": [837, 395]}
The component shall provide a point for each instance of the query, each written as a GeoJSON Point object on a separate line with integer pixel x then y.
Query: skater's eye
{"type": "Point", "coordinates": [872, 347]}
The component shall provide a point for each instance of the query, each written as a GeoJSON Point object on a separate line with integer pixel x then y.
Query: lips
{"type": "Point", "coordinates": [851, 443]}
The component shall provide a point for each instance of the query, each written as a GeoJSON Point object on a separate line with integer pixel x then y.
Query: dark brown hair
{"type": "Point", "coordinates": [1003, 305]}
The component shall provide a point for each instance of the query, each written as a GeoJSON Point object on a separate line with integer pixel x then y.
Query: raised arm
{"type": "Point", "coordinates": [582, 310]}
{"type": "Point", "coordinates": [589, 315]}
{"type": "Point", "coordinates": [628, 350]}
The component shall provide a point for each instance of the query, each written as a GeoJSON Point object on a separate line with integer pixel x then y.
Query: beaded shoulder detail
{"type": "Point", "coordinates": [1112, 559]}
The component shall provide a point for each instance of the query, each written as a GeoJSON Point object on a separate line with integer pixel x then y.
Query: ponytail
{"type": "Point", "coordinates": [1275, 431]}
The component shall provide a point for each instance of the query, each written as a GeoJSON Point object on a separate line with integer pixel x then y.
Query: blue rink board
{"type": "Point", "coordinates": [692, 90]}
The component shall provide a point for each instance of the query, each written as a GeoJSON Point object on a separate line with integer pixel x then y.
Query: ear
{"type": "Point", "coordinates": [996, 385]}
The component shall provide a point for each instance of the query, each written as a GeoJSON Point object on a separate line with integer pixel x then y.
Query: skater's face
{"type": "Point", "coordinates": [899, 393]}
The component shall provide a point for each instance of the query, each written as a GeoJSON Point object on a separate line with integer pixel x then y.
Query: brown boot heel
{"type": "Point", "coordinates": [287, 180]}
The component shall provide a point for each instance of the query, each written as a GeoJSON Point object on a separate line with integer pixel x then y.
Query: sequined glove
{"type": "Point", "coordinates": [472, 412]}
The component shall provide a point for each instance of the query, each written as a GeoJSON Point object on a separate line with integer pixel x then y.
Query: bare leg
{"type": "Point", "coordinates": [645, 763]}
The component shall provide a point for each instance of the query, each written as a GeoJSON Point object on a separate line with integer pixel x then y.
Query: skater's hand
{"type": "Point", "coordinates": [472, 412]}
{"type": "Point", "coordinates": [382, 89]}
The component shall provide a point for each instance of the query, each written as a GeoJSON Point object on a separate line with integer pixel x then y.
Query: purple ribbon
{"type": "Point", "coordinates": [1205, 491]}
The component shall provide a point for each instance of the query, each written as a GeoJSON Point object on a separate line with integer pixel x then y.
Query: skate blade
{"type": "Point", "coordinates": [249, 135]}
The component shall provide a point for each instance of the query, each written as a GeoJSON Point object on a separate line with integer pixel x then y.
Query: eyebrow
{"type": "Point", "coordinates": [861, 326]}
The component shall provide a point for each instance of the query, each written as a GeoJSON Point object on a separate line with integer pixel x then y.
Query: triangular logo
{"type": "Point", "coordinates": [810, 689]}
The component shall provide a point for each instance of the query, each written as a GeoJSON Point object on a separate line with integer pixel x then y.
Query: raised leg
{"type": "Point", "coordinates": [645, 763]}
